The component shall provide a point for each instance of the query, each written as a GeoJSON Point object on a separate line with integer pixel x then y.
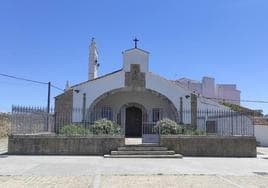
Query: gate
{"type": "Point", "coordinates": [150, 134]}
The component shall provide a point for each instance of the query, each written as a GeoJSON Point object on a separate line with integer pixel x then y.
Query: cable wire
{"type": "Point", "coordinates": [23, 79]}
{"type": "Point", "coordinates": [251, 101]}
{"type": "Point", "coordinates": [29, 80]}
{"type": "Point", "coordinates": [56, 87]}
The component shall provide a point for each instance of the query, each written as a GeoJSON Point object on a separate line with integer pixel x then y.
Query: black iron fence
{"type": "Point", "coordinates": [32, 120]}
{"type": "Point", "coordinates": [35, 120]}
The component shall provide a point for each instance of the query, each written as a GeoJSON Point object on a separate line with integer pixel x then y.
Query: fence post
{"type": "Point", "coordinates": [194, 111]}
{"type": "Point", "coordinates": [159, 130]}
{"type": "Point", "coordinates": [232, 125]}
{"type": "Point", "coordinates": [253, 123]}
{"type": "Point", "coordinates": [181, 111]}
{"type": "Point", "coordinates": [48, 103]}
{"type": "Point", "coordinates": [55, 122]}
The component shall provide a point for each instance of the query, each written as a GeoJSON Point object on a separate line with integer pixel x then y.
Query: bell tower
{"type": "Point", "coordinates": [93, 64]}
{"type": "Point", "coordinates": [136, 56]}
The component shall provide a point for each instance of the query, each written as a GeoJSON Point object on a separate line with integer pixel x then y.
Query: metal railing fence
{"type": "Point", "coordinates": [36, 120]}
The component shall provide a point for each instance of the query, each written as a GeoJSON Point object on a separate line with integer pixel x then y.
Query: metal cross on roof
{"type": "Point", "coordinates": [136, 41]}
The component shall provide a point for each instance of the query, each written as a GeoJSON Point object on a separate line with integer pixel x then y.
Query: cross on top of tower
{"type": "Point", "coordinates": [136, 41]}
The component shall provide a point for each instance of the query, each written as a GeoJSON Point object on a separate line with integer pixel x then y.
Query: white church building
{"type": "Point", "coordinates": [130, 96]}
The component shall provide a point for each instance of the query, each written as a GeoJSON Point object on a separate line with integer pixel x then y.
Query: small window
{"type": "Point", "coordinates": [157, 114]}
{"type": "Point", "coordinates": [106, 112]}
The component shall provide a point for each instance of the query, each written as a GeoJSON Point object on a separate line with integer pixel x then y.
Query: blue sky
{"type": "Point", "coordinates": [48, 40]}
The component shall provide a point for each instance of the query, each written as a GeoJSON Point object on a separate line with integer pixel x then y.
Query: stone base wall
{"type": "Point", "coordinates": [211, 146]}
{"type": "Point", "coordinates": [63, 109]}
{"type": "Point", "coordinates": [61, 145]}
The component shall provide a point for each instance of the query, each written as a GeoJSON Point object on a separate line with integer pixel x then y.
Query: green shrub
{"type": "Point", "coordinates": [100, 127]}
{"type": "Point", "coordinates": [72, 129]}
{"type": "Point", "coordinates": [194, 132]}
{"type": "Point", "coordinates": [244, 110]}
{"type": "Point", "coordinates": [199, 132]}
{"type": "Point", "coordinates": [104, 126]}
{"type": "Point", "coordinates": [167, 127]}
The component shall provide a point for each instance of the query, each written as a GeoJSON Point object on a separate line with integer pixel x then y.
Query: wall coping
{"type": "Point", "coordinates": [63, 136]}
{"type": "Point", "coordinates": [207, 136]}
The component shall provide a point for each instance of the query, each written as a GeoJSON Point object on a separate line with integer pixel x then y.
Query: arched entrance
{"type": "Point", "coordinates": [133, 126]}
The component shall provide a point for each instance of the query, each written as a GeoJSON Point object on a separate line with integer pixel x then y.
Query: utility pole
{"type": "Point", "coordinates": [48, 97]}
{"type": "Point", "coordinates": [48, 103]}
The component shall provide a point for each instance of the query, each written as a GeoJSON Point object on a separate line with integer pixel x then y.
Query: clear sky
{"type": "Point", "coordinates": [48, 40]}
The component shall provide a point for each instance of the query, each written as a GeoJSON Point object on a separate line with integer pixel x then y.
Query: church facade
{"type": "Point", "coordinates": [131, 96]}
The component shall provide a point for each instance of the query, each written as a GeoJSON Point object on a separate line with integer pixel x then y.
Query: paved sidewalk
{"type": "Point", "coordinates": [133, 181]}
{"type": "Point", "coordinates": [83, 171]}
{"type": "Point", "coordinates": [86, 171]}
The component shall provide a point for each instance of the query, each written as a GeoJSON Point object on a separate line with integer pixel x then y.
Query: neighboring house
{"type": "Point", "coordinates": [133, 96]}
{"type": "Point", "coordinates": [261, 130]}
{"type": "Point", "coordinates": [207, 88]}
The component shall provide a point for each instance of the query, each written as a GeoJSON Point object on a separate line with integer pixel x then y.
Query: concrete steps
{"type": "Point", "coordinates": [142, 148]}
{"type": "Point", "coordinates": [176, 156]}
{"type": "Point", "coordinates": [143, 151]}
{"type": "Point", "coordinates": [134, 152]}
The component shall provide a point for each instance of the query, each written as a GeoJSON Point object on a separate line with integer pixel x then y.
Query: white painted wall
{"type": "Point", "coordinates": [207, 104]}
{"type": "Point", "coordinates": [167, 88]}
{"type": "Point", "coordinates": [96, 88]}
{"type": "Point", "coordinates": [172, 91]}
{"type": "Point", "coordinates": [261, 134]}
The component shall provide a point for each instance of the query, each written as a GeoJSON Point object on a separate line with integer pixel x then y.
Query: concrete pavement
{"type": "Point", "coordinates": [84, 171]}
{"type": "Point", "coordinates": [87, 171]}
{"type": "Point", "coordinates": [84, 165]}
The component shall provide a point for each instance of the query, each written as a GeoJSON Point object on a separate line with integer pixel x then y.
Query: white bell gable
{"type": "Point", "coordinates": [136, 56]}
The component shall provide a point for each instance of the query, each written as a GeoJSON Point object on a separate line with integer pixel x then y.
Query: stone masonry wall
{"type": "Point", "coordinates": [62, 145]}
{"type": "Point", "coordinates": [63, 109]}
{"type": "Point", "coordinates": [64, 102]}
{"type": "Point", "coordinates": [211, 146]}
{"type": "Point", "coordinates": [135, 78]}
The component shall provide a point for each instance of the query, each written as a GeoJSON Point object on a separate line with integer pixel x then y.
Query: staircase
{"type": "Point", "coordinates": [143, 151]}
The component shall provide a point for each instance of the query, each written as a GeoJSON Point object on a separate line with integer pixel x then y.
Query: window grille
{"type": "Point", "coordinates": [107, 113]}
{"type": "Point", "coordinates": [157, 114]}
{"type": "Point", "coordinates": [119, 118]}
{"type": "Point", "coordinates": [211, 126]}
